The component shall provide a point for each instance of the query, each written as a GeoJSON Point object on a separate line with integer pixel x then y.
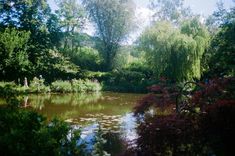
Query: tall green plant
{"type": "Point", "coordinates": [13, 53]}
{"type": "Point", "coordinates": [72, 20]}
{"type": "Point", "coordinates": [173, 52]}
{"type": "Point", "coordinates": [113, 19]}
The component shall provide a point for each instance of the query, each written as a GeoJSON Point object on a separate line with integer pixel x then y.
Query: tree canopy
{"type": "Point", "coordinates": [71, 20]}
{"type": "Point", "coordinates": [175, 53]}
{"type": "Point", "coordinates": [113, 19]}
{"type": "Point", "coordinates": [223, 52]}
{"type": "Point", "coordinates": [169, 10]}
{"type": "Point", "coordinates": [13, 53]}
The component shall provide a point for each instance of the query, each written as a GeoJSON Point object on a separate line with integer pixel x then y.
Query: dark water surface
{"type": "Point", "coordinates": [112, 111]}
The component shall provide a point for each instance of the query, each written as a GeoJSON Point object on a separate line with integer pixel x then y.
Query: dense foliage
{"type": "Point", "coordinates": [113, 19]}
{"type": "Point", "coordinates": [44, 51]}
{"type": "Point", "coordinates": [36, 41]}
{"type": "Point", "coordinates": [25, 132]}
{"type": "Point", "coordinates": [170, 10]}
{"type": "Point", "coordinates": [75, 86]}
{"type": "Point", "coordinates": [126, 80]}
{"type": "Point", "coordinates": [13, 53]}
{"type": "Point", "coordinates": [208, 130]}
{"type": "Point", "coordinates": [37, 85]}
{"type": "Point", "coordinates": [175, 53]}
{"type": "Point", "coordinates": [86, 58]}
{"type": "Point", "coordinates": [222, 49]}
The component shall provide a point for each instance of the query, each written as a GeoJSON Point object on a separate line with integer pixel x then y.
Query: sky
{"type": "Point", "coordinates": [143, 13]}
{"type": "Point", "coordinates": [204, 7]}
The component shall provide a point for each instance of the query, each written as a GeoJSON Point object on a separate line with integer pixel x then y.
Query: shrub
{"type": "Point", "coordinates": [138, 66]}
{"type": "Point", "coordinates": [86, 58]}
{"type": "Point", "coordinates": [85, 85]}
{"type": "Point", "coordinates": [100, 76]}
{"type": "Point", "coordinates": [24, 132]}
{"type": "Point", "coordinates": [61, 86]}
{"type": "Point", "coordinates": [207, 131]}
{"type": "Point", "coordinates": [37, 85]}
{"type": "Point", "coordinates": [168, 135]}
{"type": "Point", "coordinates": [75, 86]}
{"type": "Point", "coordinates": [8, 89]}
{"type": "Point", "coordinates": [78, 85]}
{"type": "Point", "coordinates": [127, 81]}
{"type": "Point", "coordinates": [92, 86]}
{"type": "Point", "coordinates": [56, 66]}
{"type": "Point", "coordinates": [99, 144]}
{"type": "Point", "coordinates": [217, 126]}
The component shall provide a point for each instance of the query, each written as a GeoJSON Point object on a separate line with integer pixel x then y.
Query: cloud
{"type": "Point", "coordinates": [143, 16]}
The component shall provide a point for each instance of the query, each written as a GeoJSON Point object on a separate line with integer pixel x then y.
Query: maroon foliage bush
{"type": "Point", "coordinates": [162, 95]}
{"type": "Point", "coordinates": [208, 132]}
{"type": "Point", "coordinates": [214, 91]}
{"type": "Point", "coordinates": [167, 135]}
{"type": "Point", "coordinates": [217, 126]}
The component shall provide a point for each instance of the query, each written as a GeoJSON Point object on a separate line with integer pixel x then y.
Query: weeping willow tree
{"type": "Point", "coordinates": [174, 52]}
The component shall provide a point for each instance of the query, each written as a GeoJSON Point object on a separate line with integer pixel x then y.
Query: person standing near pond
{"type": "Point", "coordinates": [25, 82]}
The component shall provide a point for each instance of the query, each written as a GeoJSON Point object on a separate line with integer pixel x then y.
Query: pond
{"type": "Point", "coordinates": [112, 111]}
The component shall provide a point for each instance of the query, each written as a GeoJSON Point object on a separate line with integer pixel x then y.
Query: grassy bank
{"type": "Point", "coordinates": [59, 86]}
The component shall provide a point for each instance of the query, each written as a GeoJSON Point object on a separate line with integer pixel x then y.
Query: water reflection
{"type": "Point", "coordinates": [128, 128]}
{"type": "Point", "coordinates": [118, 138]}
{"type": "Point", "coordinates": [112, 111]}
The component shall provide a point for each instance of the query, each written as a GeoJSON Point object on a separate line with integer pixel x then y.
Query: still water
{"type": "Point", "coordinates": [112, 111]}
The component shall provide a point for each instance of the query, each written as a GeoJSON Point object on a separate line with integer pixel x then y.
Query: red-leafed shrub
{"type": "Point", "coordinates": [217, 126]}
{"type": "Point", "coordinates": [167, 135]}
{"type": "Point", "coordinates": [213, 92]}
{"type": "Point", "coordinates": [162, 95]}
{"type": "Point", "coordinates": [207, 131]}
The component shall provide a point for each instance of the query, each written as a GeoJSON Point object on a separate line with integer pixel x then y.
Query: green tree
{"type": "Point", "coordinates": [169, 10]}
{"type": "Point", "coordinates": [35, 17]}
{"type": "Point", "coordinates": [13, 53]}
{"type": "Point", "coordinates": [72, 20]}
{"type": "Point", "coordinates": [113, 19]}
{"type": "Point", "coordinates": [86, 58]}
{"type": "Point", "coordinates": [214, 21]}
{"type": "Point", "coordinates": [55, 66]}
{"type": "Point", "coordinates": [222, 60]}
{"type": "Point", "coordinates": [173, 52]}
{"type": "Point", "coordinates": [219, 59]}
{"type": "Point", "coordinates": [55, 33]}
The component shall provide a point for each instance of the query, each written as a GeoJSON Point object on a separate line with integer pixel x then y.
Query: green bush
{"type": "Point", "coordinates": [78, 85]}
{"type": "Point", "coordinates": [61, 86]}
{"type": "Point", "coordinates": [86, 58]}
{"type": "Point", "coordinates": [75, 86]}
{"type": "Point", "coordinates": [92, 86]}
{"type": "Point", "coordinates": [37, 85]}
{"type": "Point", "coordinates": [85, 74]}
{"type": "Point", "coordinates": [85, 85]}
{"type": "Point", "coordinates": [55, 66]}
{"type": "Point", "coordinates": [24, 132]}
{"type": "Point", "coordinates": [8, 89]}
{"type": "Point", "coordinates": [138, 66]}
{"type": "Point", "coordinates": [127, 81]}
